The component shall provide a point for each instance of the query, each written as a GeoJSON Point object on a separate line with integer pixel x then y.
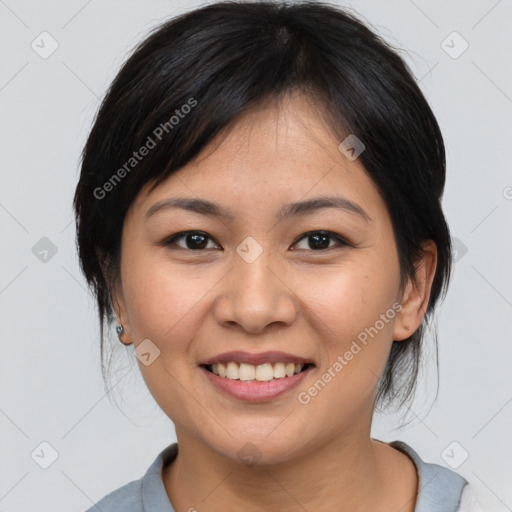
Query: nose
{"type": "Point", "coordinates": [255, 296]}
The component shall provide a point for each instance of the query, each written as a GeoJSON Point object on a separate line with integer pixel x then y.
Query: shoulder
{"type": "Point", "coordinates": [127, 498]}
{"type": "Point", "coordinates": [146, 493]}
{"type": "Point", "coordinates": [433, 478]}
{"type": "Point", "coordinates": [441, 489]}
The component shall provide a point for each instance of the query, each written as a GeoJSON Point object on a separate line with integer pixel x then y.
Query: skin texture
{"type": "Point", "coordinates": [295, 297]}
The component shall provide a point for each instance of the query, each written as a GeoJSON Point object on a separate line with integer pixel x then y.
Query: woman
{"type": "Point", "coordinates": [259, 209]}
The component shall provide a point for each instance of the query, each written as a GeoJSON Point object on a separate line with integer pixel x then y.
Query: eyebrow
{"type": "Point", "coordinates": [209, 209]}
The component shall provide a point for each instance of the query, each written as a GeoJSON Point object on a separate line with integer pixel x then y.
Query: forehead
{"type": "Point", "coordinates": [280, 153]}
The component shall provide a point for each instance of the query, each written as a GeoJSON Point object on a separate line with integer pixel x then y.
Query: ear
{"type": "Point", "coordinates": [115, 289]}
{"type": "Point", "coordinates": [416, 295]}
{"type": "Point", "coordinates": [119, 305]}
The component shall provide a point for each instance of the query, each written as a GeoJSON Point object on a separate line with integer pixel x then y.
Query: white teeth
{"type": "Point", "coordinates": [232, 371]}
{"type": "Point", "coordinates": [246, 372]}
{"type": "Point", "coordinates": [262, 372]}
{"type": "Point", "coordinates": [279, 371]}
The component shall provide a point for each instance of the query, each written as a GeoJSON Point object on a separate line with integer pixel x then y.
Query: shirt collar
{"type": "Point", "coordinates": [154, 495]}
{"type": "Point", "coordinates": [439, 488]}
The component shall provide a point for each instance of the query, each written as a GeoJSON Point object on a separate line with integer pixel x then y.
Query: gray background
{"type": "Point", "coordinates": [51, 389]}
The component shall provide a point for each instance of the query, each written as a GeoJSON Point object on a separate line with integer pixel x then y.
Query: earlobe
{"type": "Point", "coordinates": [118, 304]}
{"type": "Point", "coordinates": [123, 329]}
{"type": "Point", "coordinates": [123, 326]}
{"type": "Point", "coordinates": [416, 295]}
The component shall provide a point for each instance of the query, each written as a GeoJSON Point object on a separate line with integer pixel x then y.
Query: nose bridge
{"type": "Point", "coordinates": [255, 295]}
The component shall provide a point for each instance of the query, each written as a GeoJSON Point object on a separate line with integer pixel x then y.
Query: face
{"type": "Point", "coordinates": [310, 284]}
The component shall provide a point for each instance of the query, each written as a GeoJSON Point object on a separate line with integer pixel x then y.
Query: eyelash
{"type": "Point", "coordinates": [341, 241]}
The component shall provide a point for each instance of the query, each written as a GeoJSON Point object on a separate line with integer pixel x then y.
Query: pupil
{"type": "Point", "coordinates": [197, 238]}
{"type": "Point", "coordinates": [325, 238]}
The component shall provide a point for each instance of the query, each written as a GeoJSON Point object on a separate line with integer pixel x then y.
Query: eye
{"type": "Point", "coordinates": [320, 240]}
{"type": "Point", "coordinates": [194, 240]}
{"type": "Point", "coordinates": [198, 240]}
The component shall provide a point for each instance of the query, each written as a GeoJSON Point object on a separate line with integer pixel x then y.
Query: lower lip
{"type": "Point", "coordinates": [255, 391]}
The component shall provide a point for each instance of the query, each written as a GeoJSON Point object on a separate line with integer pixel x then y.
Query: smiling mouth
{"type": "Point", "coordinates": [262, 373]}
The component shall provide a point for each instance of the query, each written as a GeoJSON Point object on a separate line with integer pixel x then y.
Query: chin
{"type": "Point", "coordinates": [258, 448]}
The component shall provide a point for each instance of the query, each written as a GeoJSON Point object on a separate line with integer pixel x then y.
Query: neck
{"type": "Point", "coordinates": [349, 473]}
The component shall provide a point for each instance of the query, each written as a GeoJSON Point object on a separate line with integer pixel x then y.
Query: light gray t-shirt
{"type": "Point", "coordinates": [440, 489]}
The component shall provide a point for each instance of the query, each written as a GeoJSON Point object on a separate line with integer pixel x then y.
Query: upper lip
{"type": "Point", "coordinates": [239, 356]}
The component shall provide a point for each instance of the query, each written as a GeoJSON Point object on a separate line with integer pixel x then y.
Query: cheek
{"type": "Point", "coordinates": [348, 308]}
{"type": "Point", "coordinates": [163, 306]}
{"type": "Point", "coordinates": [351, 297]}
{"type": "Point", "coordinates": [161, 300]}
